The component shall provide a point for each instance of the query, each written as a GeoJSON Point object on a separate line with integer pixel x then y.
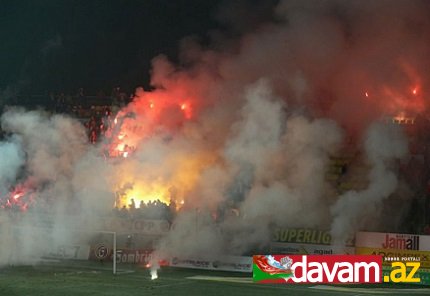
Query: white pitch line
{"type": "Point", "coordinates": [425, 291]}
{"type": "Point", "coordinates": [171, 285]}
{"type": "Point", "coordinates": [241, 280]}
{"type": "Point", "coordinates": [356, 291]}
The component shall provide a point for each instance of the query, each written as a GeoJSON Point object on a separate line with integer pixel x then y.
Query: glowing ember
{"type": "Point", "coordinates": [20, 198]}
{"type": "Point", "coordinates": [187, 110]}
{"type": "Point", "coordinates": [17, 195]}
{"type": "Point", "coordinates": [409, 101]}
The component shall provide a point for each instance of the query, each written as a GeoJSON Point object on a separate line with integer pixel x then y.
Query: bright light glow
{"type": "Point", "coordinates": [20, 198]}
{"type": "Point", "coordinates": [401, 118]}
{"type": "Point", "coordinates": [186, 171]}
{"type": "Point", "coordinates": [187, 110]}
{"type": "Point", "coordinates": [151, 192]}
{"type": "Point", "coordinates": [120, 147]}
{"type": "Point", "coordinates": [367, 94]}
{"type": "Point", "coordinates": [154, 274]}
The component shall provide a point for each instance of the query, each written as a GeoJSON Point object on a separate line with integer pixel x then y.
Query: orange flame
{"type": "Point", "coordinates": [20, 198]}
{"type": "Point", "coordinates": [182, 178]}
{"type": "Point", "coordinates": [144, 118]}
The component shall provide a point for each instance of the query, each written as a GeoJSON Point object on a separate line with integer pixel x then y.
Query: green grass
{"type": "Point", "coordinates": [96, 279]}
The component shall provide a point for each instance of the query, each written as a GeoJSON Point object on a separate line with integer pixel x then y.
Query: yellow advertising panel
{"type": "Point", "coordinates": [391, 255]}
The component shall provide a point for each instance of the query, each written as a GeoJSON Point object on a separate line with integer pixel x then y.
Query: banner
{"type": "Point", "coordinates": [309, 249]}
{"type": "Point", "coordinates": [142, 226]}
{"type": "Point", "coordinates": [69, 252]}
{"type": "Point", "coordinates": [142, 257]}
{"type": "Point", "coordinates": [103, 252]}
{"type": "Point", "coordinates": [395, 241]}
{"type": "Point", "coordinates": [305, 236]}
{"type": "Point", "coordinates": [302, 235]}
{"type": "Point", "coordinates": [397, 247]}
{"type": "Point", "coordinates": [226, 263]}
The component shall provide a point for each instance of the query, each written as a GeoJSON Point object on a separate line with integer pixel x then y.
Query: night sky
{"type": "Point", "coordinates": [63, 45]}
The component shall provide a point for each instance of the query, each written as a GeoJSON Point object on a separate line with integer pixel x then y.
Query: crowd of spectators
{"type": "Point", "coordinates": [82, 105]}
{"type": "Point", "coordinates": [94, 111]}
{"type": "Point", "coordinates": [152, 210]}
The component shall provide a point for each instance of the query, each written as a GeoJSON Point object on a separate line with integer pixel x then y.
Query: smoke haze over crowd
{"type": "Point", "coordinates": [245, 126]}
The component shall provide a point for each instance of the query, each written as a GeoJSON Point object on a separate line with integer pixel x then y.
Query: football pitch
{"type": "Point", "coordinates": [97, 279]}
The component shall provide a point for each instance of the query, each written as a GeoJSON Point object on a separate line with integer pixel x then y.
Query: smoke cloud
{"type": "Point", "coordinates": [240, 135]}
{"type": "Point", "coordinates": [354, 210]}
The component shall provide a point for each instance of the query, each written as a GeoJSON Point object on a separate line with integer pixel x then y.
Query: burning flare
{"type": "Point", "coordinates": [154, 274]}
{"type": "Point", "coordinates": [20, 199]}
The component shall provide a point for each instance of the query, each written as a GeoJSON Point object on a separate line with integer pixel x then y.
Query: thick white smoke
{"type": "Point", "coordinates": [11, 160]}
{"type": "Point", "coordinates": [276, 166]}
{"type": "Point", "coordinates": [49, 160]}
{"type": "Point", "coordinates": [384, 145]}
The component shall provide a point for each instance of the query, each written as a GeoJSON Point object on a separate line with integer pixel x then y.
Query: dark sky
{"type": "Point", "coordinates": [60, 45]}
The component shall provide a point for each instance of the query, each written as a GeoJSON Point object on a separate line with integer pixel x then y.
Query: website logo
{"type": "Point", "coordinates": [269, 268]}
{"type": "Point", "coordinates": [335, 269]}
{"type": "Point", "coordinates": [403, 270]}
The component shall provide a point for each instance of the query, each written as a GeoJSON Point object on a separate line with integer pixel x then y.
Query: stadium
{"type": "Point", "coordinates": [286, 128]}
